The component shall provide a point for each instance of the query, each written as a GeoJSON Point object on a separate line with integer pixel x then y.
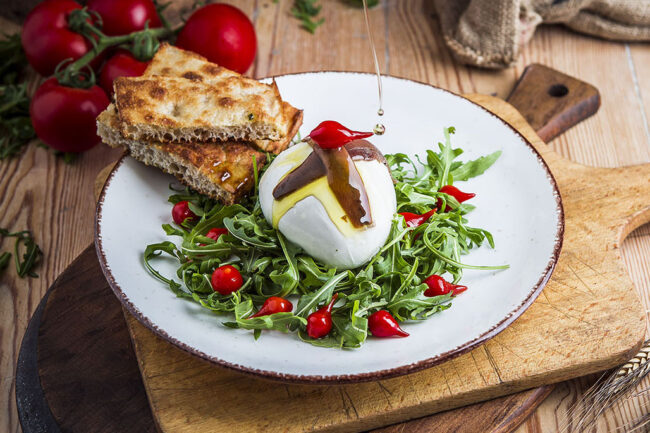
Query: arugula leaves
{"type": "Point", "coordinates": [272, 266]}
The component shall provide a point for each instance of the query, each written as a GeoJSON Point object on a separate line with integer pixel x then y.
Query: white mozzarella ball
{"type": "Point", "coordinates": [308, 224]}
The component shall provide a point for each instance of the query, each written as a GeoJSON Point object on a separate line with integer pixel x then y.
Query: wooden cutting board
{"type": "Point", "coordinates": [587, 319]}
{"type": "Point", "coordinates": [77, 371]}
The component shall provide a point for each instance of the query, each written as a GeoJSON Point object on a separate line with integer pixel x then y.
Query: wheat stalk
{"type": "Point", "coordinates": [640, 361]}
{"type": "Point", "coordinates": [608, 389]}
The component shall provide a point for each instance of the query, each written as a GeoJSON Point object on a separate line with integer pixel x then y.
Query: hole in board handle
{"type": "Point", "coordinates": [558, 90]}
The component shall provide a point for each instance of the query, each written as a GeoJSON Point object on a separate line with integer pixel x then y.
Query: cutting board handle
{"type": "Point", "coordinates": [551, 101]}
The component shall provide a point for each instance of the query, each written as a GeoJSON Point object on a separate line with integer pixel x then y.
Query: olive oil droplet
{"type": "Point", "coordinates": [379, 129]}
{"type": "Point", "coordinates": [380, 112]}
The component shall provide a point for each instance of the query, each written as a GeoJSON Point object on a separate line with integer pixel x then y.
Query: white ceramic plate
{"type": "Point", "coordinates": [517, 200]}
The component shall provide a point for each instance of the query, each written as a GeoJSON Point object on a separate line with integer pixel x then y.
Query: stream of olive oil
{"type": "Point", "coordinates": [379, 128]}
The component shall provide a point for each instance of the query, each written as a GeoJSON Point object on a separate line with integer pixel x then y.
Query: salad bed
{"type": "Point", "coordinates": [414, 275]}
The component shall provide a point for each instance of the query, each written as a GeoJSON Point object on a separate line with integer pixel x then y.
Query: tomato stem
{"type": "Point", "coordinates": [143, 44]}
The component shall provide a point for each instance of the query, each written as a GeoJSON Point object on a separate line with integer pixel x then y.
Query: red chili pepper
{"type": "Point", "coordinates": [416, 220]}
{"type": "Point", "coordinates": [382, 324]}
{"type": "Point", "coordinates": [319, 323]}
{"type": "Point", "coordinates": [332, 135]}
{"type": "Point", "coordinates": [273, 305]}
{"type": "Point", "coordinates": [181, 211]}
{"type": "Point", "coordinates": [438, 286]}
{"type": "Point", "coordinates": [459, 195]}
{"type": "Point", "coordinates": [226, 279]}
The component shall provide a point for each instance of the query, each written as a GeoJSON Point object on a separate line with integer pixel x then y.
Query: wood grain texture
{"type": "Point", "coordinates": [61, 216]}
{"type": "Point", "coordinates": [562, 335]}
{"type": "Point", "coordinates": [499, 415]}
{"type": "Point", "coordinates": [54, 200]}
{"type": "Point", "coordinates": [553, 102]}
{"type": "Point", "coordinates": [86, 372]}
{"type": "Point", "coordinates": [617, 135]}
{"type": "Point", "coordinates": [87, 369]}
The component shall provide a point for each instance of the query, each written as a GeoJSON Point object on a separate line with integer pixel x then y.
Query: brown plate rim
{"type": "Point", "coordinates": [359, 377]}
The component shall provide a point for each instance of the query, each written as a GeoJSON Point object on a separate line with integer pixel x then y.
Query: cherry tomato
{"type": "Point", "coordinates": [221, 33]}
{"type": "Point", "coordinates": [65, 117]}
{"type": "Point", "coordinates": [122, 64]}
{"type": "Point", "coordinates": [226, 279]}
{"type": "Point", "coordinates": [319, 323]}
{"type": "Point", "coordinates": [181, 211]}
{"type": "Point", "coordinates": [215, 232]}
{"type": "Point", "coordinates": [121, 17]}
{"type": "Point", "coordinates": [382, 324]}
{"type": "Point", "coordinates": [438, 286]}
{"type": "Point", "coordinates": [273, 305]}
{"type": "Point", "coordinates": [46, 39]}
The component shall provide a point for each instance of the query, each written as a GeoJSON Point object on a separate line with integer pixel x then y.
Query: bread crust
{"type": "Point", "coordinates": [182, 114]}
{"type": "Point", "coordinates": [223, 171]}
{"type": "Point", "coordinates": [183, 97]}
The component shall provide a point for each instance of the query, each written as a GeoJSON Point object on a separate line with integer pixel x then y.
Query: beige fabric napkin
{"type": "Point", "coordinates": [490, 33]}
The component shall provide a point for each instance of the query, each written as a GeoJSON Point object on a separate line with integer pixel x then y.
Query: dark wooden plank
{"type": "Point", "coordinates": [33, 409]}
{"type": "Point", "coordinates": [87, 367]}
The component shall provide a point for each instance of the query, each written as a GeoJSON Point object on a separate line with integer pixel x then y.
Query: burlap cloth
{"type": "Point", "coordinates": [490, 33]}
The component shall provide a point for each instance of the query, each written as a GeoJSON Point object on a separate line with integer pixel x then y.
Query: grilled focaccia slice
{"type": "Point", "coordinates": [205, 102]}
{"type": "Point", "coordinates": [170, 61]}
{"type": "Point", "coordinates": [223, 171]}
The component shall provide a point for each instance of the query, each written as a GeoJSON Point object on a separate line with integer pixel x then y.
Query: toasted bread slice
{"type": "Point", "coordinates": [184, 97]}
{"type": "Point", "coordinates": [223, 171]}
{"type": "Point", "coordinates": [170, 61]}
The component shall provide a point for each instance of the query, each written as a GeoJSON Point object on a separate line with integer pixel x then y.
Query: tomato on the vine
{"type": "Point", "coordinates": [121, 17]}
{"type": "Point", "coordinates": [65, 117]}
{"type": "Point", "coordinates": [121, 64]}
{"type": "Point", "coordinates": [221, 33]}
{"type": "Point", "coordinates": [46, 38]}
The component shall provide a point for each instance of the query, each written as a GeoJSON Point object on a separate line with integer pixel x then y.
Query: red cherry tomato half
{"type": "Point", "coordinates": [221, 33]}
{"type": "Point", "coordinates": [121, 17]}
{"type": "Point", "coordinates": [181, 212]}
{"type": "Point", "coordinates": [122, 64]}
{"type": "Point", "coordinates": [46, 39]}
{"type": "Point", "coordinates": [226, 279]}
{"type": "Point", "coordinates": [215, 232]}
{"type": "Point", "coordinates": [332, 135]}
{"type": "Point", "coordinates": [65, 117]}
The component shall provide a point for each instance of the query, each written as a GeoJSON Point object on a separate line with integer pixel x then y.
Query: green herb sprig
{"type": "Point", "coordinates": [15, 126]}
{"type": "Point", "coordinates": [307, 11]}
{"type": "Point", "coordinates": [272, 266]}
{"type": "Point", "coordinates": [27, 253]}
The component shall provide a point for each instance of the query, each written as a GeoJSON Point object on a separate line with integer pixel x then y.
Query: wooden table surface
{"type": "Point", "coordinates": [55, 200]}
